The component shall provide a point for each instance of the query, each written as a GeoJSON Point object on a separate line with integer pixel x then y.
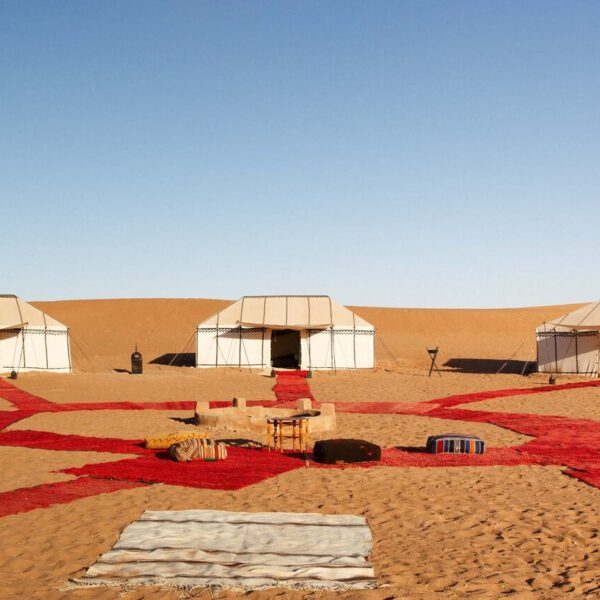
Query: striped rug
{"type": "Point", "coordinates": [239, 550]}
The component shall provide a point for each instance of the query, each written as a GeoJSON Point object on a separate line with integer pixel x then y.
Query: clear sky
{"type": "Point", "coordinates": [405, 153]}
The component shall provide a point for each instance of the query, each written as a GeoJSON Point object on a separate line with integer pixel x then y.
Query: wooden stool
{"type": "Point", "coordinates": [286, 428]}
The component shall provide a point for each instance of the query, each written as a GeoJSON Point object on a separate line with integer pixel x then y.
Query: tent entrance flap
{"type": "Point", "coordinates": [14, 326]}
{"type": "Point", "coordinates": [285, 349]}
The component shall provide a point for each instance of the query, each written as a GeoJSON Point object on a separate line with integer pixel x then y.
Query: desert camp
{"type": "Point", "coordinates": [101, 449]}
{"type": "Point", "coordinates": [296, 303]}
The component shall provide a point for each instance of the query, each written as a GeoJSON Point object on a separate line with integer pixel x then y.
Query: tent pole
{"type": "Point", "coordinates": [380, 338]}
{"type": "Point", "coordinates": [14, 356]}
{"type": "Point", "coordinates": [262, 345]}
{"type": "Point", "coordinates": [240, 340]}
{"type": "Point", "coordinates": [82, 351]}
{"type": "Point", "coordinates": [69, 349]}
{"type": "Point", "coordinates": [332, 338]}
{"type": "Point", "coordinates": [182, 350]}
{"type": "Point", "coordinates": [547, 342]}
{"type": "Point", "coordinates": [217, 343]}
{"type": "Point", "coordinates": [22, 332]}
{"type": "Point", "coordinates": [354, 336]}
{"type": "Point", "coordinates": [46, 338]}
{"type": "Point", "coordinates": [512, 356]}
{"type": "Point", "coordinates": [308, 335]}
{"type": "Point", "coordinates": [22, 350]}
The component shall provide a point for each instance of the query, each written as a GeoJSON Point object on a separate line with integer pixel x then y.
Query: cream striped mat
{"type": "Point", "coordinates": [239, 550]}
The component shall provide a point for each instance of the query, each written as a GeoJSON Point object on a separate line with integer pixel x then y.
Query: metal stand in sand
{"type": "Point", "coordinates": [433, 352]}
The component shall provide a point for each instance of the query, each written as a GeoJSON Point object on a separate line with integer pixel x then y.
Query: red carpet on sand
{"type": "Point", "coordinates": [244, 466]}
{"type": "Point", "coordinates": [573, 443]}
{"type": "Point", "coordinates": [63, 492]}
{"type": "Point", "coordinates": [291, 386]}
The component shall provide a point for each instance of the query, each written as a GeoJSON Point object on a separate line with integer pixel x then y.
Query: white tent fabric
{"type": "Point", "coordinates": [240, 550]}
{"type": "Point", "coordinates": [251, 332]}
{"type": "Point", "coordinates": [31, 340]}
{"type": "Point", "coordinates": [583, 319]}
{"type": "Point", "coordinates": [570, 344]}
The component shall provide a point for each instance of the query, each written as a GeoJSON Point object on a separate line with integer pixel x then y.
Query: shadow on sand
{"type": "Point", "coordinates": [489, 366]}
{"type": "Point", "coordinates": [186, 359]}
{"type": "Point", "coordinates": [184, 420]}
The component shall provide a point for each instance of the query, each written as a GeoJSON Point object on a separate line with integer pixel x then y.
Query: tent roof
{"type": "Point", "coordinates": [287, 312]}
{"type": "Point", "coordinates": [585, 318]}
{"type": "Point", "coordinates": [17, 314]}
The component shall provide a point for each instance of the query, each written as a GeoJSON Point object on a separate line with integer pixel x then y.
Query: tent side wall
{"type": "Point", "coordinates": [30, 349]}
{"type": "Point", "coordinates": [326, 349]}
{"type": "Point", "coordinates": [568, 352]}
{"type": "Point", "coordinates": [10, 350]}
{"type": "Point", "coordinates": [233, 347]}
{"type": "Point", "coordinates": [320, 349]}
{"type": "Point", "coordinates": [364, 340]}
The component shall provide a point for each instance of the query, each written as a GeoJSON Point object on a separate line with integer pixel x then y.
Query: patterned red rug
{"type": "Point", "coordinates": [574, 443]}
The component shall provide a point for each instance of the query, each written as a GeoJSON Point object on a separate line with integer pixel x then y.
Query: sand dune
{"type": "Point", "coordinates": [104, 332]}
{"type": "Point", "coordinates": [473, 336]}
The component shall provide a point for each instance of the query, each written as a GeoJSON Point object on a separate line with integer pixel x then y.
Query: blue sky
{"type": "Point", "coordinates": [441, 154]}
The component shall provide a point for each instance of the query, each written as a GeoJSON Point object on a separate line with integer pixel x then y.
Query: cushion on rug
{"type": "Point", "coordinates": [166, 440]}
{"type": "Point", "coordinates": [455, 443]}
{"type": "Point", "coordinates": [345, 451]}
{"type": "Point", "coordinates": [194, 449]}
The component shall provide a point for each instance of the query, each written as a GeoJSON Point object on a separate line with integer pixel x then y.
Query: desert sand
{"type": "Point", "coordinates": [482, 532]}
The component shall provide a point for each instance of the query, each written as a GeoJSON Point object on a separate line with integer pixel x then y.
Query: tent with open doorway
{"type": "Point", "coordinates": [31, 340]}
{"type": "Point", "coordinates": [306, 332]}
{"type": "Point", "coordinates": [570, 344]}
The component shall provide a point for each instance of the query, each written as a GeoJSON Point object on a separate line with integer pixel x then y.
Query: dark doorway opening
{"type": "Point", "coordinates": [285, 349]}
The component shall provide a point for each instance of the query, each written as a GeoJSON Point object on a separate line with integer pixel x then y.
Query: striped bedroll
{"type": "Point", "coordinates": [454, 443]}
{"type": "Point", "coordinates": [198, 449]}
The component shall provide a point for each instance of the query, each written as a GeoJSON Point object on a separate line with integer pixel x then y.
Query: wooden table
{"type": "Point", "coordinates": [280, 429]}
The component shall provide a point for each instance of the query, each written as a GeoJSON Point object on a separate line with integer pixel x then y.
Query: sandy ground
{"type": "Point", "coordinates": [586, 406]}
{"type": "Point", "coordinates": [529, 532]}
{"type": "Point", "coordinates": [156, 385]}
{"type": "Point", "coordinates": [4, 405]}
{"type": "Point", "coordinates": [490, 532]}
{"type": "Point", "coordinates": [26, 467]}
{"type": "Point", "coordinates": [385, 430]}
{"type": "Point", "coordinates": [389, 386]}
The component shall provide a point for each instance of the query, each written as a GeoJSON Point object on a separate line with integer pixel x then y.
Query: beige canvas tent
{"type": "Point", "coordinates": [31, 340]}
{"type": "Point", "coordinates": [570, 344]}
{"type": "Point", "coordinates": [307, 332]}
